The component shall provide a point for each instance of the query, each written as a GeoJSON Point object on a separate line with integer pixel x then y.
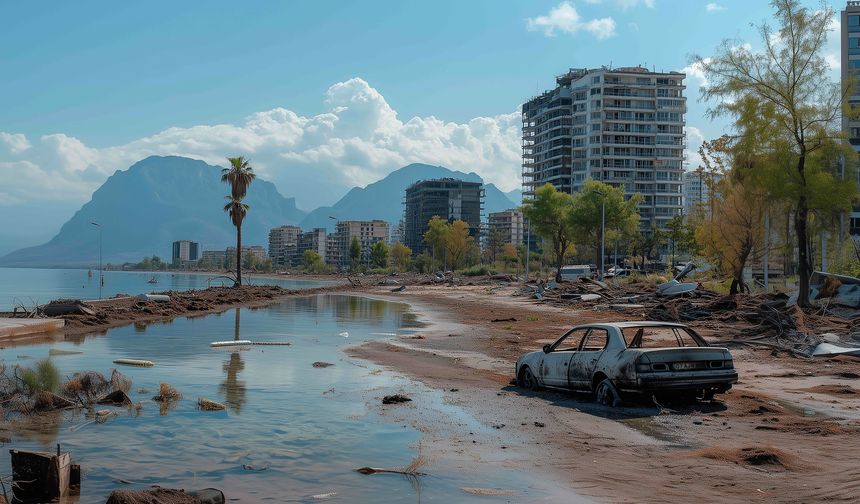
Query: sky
{"type": "Point", "coordinates": [321, 96]}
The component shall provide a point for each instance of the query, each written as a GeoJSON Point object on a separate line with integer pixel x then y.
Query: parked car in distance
{"type": "Point", "coordinates": [617, 272]}
{"type": "Point", "coordinates": [613, 360]}
{"type": "Point", "coordinates": [575, 272]}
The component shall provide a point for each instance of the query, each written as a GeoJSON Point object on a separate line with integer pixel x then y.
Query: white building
{"type": "Point", "coordinates": [622, 126]}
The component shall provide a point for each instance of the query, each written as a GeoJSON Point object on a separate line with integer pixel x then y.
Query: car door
{"type": "Point", "coordinates": [555, 363]}
{"type": "Point", "coordinates": [584, 360]}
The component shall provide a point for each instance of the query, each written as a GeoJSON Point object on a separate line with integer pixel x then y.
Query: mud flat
{"type": "Point", "coordinates": [15, 327]}
{"type": "Point", "coordinates": [783, 434]}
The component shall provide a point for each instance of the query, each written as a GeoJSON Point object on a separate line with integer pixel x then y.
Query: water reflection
{"type": "Point", "coordinates": [232, 388]}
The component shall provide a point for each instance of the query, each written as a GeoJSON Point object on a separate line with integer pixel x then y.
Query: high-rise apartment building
{"type": "Point", "coordinates": [851, 68]}
{"type": "Point", "coordinates": [448, 198]}
{"type": "Point", "coordinates": [622, 126]}
{"type": "Point", "coordinates": [314, 240]}
{"type": "Point", "coordinates": [185, 251]}
{"type": "Point", "coordinates": [698, 189]}
{"type": "Point", "coordinates": [283, 245]}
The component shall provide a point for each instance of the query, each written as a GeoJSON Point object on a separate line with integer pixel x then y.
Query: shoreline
{"type": "Point", "coordinates": [784, 409]}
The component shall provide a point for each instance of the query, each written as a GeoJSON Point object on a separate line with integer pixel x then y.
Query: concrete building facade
{"type": "Point", "coordinates": [283, 245]}
{"type": "Point", "coordinates": [185, 251]}
{"type": "Point", "coordinates": [214, 257]}
{"type": "Point", "coordinates": [622, 126]}
{"type": "Point", "coordinates": [448, 198]}
{"type": "Point", "coordinates": [698, 189]}
{"type": "Point", "coordinates": [508, 226]}
{"type": "Point", "coordinates": [367, 233]}
{"type": "Point", "coordinates": [850, 34]}
{"type": "Point", "coordinates": [256, 251]}
{"type": "Point", "coordinates": [315, 240]}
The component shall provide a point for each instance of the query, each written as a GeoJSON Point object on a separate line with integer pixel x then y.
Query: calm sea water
{"type": "Point", "coordinates": [291, 431]}
{"type": "Point", "coordinates": [30, 286]}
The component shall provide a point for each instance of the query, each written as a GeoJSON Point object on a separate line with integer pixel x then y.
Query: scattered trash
{"type": "Point", "coordinates": [216, 344]}
{"type": "Point", "coordinates": [320, 364]}
{"type": "Point", "coordinates": [324, 496]}
{"type": "Point", "coordinates": [830, 350]}
{"type": "Point", "coordinates": [394, 399]}
{"type": "Point", "coordinates": [399, 289]}
{"type": "Point", "coordinates": [209, 405]}
{"type": "Point", "coordinates": [41, 476]}
{"type": "Point", "coordinates": [160, 298]}
{"type": "Point", "coordinates": [49, 401]}
{"type": "Point", "coordinates": [134, 362]}
{"type": "Point", "coordinates": [66, 307]}
{"type": "Point", "coordinates": [167, 393]}
{"type": "Point", "coordinates": [540, 424]}
{"type": "Point", "coordinates": [345, 334]}
{"type": "Point", "coordinates": [116, 398]}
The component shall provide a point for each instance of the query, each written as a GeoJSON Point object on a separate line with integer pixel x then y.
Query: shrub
{"type": "Point", "coordinates": [44, 377]}
{"type": "Point", "coordinates": [479, 270]}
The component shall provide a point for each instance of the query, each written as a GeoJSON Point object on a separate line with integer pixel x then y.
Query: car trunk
{"type": "Point", "coordinates": [686, 358]}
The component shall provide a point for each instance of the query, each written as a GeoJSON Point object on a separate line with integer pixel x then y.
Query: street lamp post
{"type": "Point", "coordinates": [528, 248]}
{"type": "Point", "coordinates": [101, 274]}
{"type": "Point", "coordinates": [602, 233]}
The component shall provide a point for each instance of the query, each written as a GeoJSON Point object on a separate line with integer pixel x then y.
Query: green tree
{"type": "Point", "coordinates": [586, 214]}
{"type": "Point", "coordinates": [510, 255]}
{"type": "Point", "coordinates": [458, 243]}
{"type": "Point", "coordinates": [784, 95]}
{"type": "Point", "coordinates": [681, 235]}
{"type": "Point", "coordinates": [239, 176]}
{"type": "Point", "coordinates": [548, 214]}
{"type": "Point", "coordinates": [379, 255]}
{"type": "Point", "coordinates": [355, 252]}
{"type": "Point", "coordinates": [400, 256]}
{"type": "Point", "coordinates": [436, 236]}
{"type": "Point", "coordinates": [313, 262]}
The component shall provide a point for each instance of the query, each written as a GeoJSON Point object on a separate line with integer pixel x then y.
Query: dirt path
{"type": "Point", "coordinates": [787, 433]}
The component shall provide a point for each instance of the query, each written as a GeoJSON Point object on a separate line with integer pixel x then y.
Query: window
{"type": "Point", "coordinates": [658, 337]}
{"type": "Point", "coordinates": [570, 341]}
{"type": "Point", "coordinates": [595, 341]}
{"type": "Point", "coordinates": [854, 20]}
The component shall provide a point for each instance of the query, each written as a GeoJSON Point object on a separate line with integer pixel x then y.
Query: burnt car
{"type": "Point", "coordinates": [626, 358]}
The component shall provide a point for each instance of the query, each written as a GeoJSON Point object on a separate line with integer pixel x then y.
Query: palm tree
{"type": "Point", "coordinates": [239, 175]}
{"type": "Point", "coordinates": [237, 212]}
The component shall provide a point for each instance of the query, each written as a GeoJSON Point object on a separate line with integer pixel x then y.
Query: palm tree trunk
{"type": "Point", "coordinates": [239, 255]}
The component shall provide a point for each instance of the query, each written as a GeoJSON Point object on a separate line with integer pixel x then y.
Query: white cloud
{"type": "Point", "coordinates": [564, 18]}
{"type": "Point", "coordinates": [357, 139]}
{"type": "Point", "coordinates": [14, 143]}
{"type": "Point", "coordinates": [695, 137]}
{"type": "Point", "coordinates": [714, 7]}
{"type": "Point", "coordinates": [629, 4]}
{"type": "Point", "coordinates": [695, 71]}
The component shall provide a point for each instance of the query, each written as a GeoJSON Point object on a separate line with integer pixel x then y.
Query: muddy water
{"type": "Point", "coordinates": [291, 432]}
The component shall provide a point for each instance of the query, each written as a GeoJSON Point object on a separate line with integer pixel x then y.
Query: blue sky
{"type": "Point", "coordinates": [342, 92]}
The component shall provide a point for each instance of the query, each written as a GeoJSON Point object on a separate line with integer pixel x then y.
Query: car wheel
{"type": "Point", "coordinates": [606, 394]}
{"type": "Point", "coordinates": [527, 380]}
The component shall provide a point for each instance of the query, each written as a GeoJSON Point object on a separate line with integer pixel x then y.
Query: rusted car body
{"type": "Point", "coordinates": [624, 358]}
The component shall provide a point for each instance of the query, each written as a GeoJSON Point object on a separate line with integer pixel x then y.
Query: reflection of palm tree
{"type": "Point", "coordinates": [232, 388]}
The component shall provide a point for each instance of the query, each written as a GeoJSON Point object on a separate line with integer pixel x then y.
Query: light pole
{"type": "Point", "coordinates": [101, 274]}
{"type": "Point", "coordinates": [528, 248]}
{"type": "Point", "coordinates": [602, 233]}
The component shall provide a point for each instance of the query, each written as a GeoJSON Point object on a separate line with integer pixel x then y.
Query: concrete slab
{"type": "Point", "coordinates": [11, 327]}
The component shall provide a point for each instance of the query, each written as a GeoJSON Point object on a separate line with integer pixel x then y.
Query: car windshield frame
{"type": "Point", "coordinates": [638, 331]}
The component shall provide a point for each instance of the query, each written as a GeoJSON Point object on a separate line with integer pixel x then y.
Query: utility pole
{"type": "Point", "coordinates": [602, 234]}
{"type": "Point", "coordinates": [101, 274]}
{"type": "Point", "coordinates": [528, 248]}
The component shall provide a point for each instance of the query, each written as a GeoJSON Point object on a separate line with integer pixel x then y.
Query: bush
{"type": "Point", "coordinates": [479, 270]}
{"type": "Point", "coordinates": [44, 377]}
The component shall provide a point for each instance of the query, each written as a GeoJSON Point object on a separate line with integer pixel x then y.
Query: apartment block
{"type": "Point", "coordinates": [699, 188]}
{"type": "Point", "coordinates": [256, 251]}
{"type": "Point", "coordinates": [507, 227]}
{"type": "Point", "coordinates": [367, 232]}
{"type": "Point", "coordinates": [214, 257]}
{"type": "Point", "coordinates": [448, 198]}
{"type": "Point", "coordinates": [622, 126]}
{"type": "Point", "coordinates": [283, 245]}
{"type": "Point", "coordinates": [315, 240]}
{"type": "Point", "coordinates": [185, 251]}
{"type": "Point", "coordinates": [851, 68]}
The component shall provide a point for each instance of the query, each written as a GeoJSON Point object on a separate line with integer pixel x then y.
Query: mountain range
{"type": "Point", "coordinates": [142, 210]}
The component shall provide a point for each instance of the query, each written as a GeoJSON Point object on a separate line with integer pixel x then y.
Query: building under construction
{"type": "Point", "coordinates": [448, 198]}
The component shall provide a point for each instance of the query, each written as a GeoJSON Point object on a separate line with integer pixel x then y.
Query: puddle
{"type": "Point", "coordinates": [291, 431]}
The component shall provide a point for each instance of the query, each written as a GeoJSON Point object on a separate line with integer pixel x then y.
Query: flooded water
{"type": "Point", "coordinates": [30, 286]}
{"type": "Point", "coordinates": [291, 432]}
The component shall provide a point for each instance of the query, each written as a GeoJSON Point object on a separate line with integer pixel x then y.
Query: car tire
{"type": "Point", "coordinates": [527, 380]}
{"type": "Point", "coordinates": [606, 394]}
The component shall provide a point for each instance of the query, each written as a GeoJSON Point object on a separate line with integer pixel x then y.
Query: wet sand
{"type": "Point", "coordinates": [786, 433]}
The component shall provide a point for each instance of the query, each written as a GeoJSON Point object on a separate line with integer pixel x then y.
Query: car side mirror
{"type": "Point", "coordinates": [546, 349]}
